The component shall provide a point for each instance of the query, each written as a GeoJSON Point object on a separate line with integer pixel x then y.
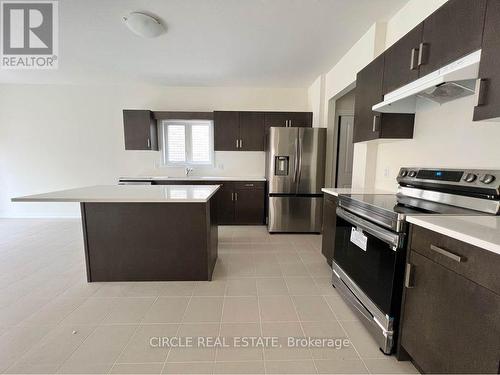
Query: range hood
{"type": "Point", "coordinates": [453, 81]}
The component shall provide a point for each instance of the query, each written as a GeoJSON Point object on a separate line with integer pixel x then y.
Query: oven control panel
{"type": "Point", "coordinates": [480, 179]}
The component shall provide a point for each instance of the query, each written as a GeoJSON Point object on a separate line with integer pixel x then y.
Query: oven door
{"type": "Point", "coordinates": [372, 257]}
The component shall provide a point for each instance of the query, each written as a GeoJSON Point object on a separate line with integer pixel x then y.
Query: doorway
{"type": "Point", "coordinates": [340, 147]}
{"type": "Point", "coordinates": [345, 150]}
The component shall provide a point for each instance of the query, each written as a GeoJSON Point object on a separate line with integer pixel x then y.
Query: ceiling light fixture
{"type": "Point", "coordinates": [144, 25]}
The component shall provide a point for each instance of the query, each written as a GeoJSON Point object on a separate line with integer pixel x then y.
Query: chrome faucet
{"type": "Point", "coordinates": [188, 171]}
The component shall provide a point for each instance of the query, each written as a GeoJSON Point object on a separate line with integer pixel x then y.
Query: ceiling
{"type": "Point", "coordinates": [259, 43]}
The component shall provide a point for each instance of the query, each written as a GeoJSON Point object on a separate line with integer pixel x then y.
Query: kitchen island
{"type": "Point", "coordinates": [145, 233]}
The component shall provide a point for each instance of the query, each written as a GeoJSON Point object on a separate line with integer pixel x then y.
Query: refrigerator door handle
{"type": "Point", "coordinates": [296, 160]}
{"type": "Point", "coordinates": [299, 152]}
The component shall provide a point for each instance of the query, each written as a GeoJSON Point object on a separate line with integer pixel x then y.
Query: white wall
{"type": "Point", "coordinates": [315, 95]}
{"type": "Point", "coordinates": [445, 136]}
{"type": "Point", "coordinates": [63, 136]}
{"type": "Point", "coordinates": [409, 16]}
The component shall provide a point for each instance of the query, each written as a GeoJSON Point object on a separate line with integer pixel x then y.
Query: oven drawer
{"type": "Point", "coordinates": [474, 263]}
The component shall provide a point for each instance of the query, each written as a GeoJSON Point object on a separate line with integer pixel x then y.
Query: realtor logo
{"type": "Point", "coordinates": [29, 35]}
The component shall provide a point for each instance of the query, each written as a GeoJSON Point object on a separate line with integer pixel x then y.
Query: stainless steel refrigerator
{"type": "Point", "coordinates": [295, 171]}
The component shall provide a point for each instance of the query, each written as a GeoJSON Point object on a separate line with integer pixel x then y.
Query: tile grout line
{"type": "Point", "coordinates": [301, 326]}
{"type": "Point", "coordinates": [220, 324]}
{"type": "Point", "coordinates": [132, 335]}
{"type": "Point", "coordinates": [347, 334]}
{"type": "Point", "coordinates": [178, 330]}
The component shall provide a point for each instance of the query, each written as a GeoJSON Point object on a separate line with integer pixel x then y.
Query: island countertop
{"type": "Point", "coordinates": [128, 193]}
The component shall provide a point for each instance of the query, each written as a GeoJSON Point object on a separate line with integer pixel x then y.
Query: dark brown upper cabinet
{"type": "Point", "coordinates": [401, 60]}
{"type": "Point", "coordinates": [238, 131]}
{"type": "Point", "coordinates": [488, 105]}
{"type": "Point", "coordinates": [251, 131]}
{"type": "Point", "coordinates": [140, 130]}
{"type": "Point", "coordinates": [451, 32]}
{"type": "Point", "coordinates": [246, 130]}
{"type": "Point", "coordinates": [288, 119]}
{"type": "Point", "coordinates": [226, 130]}
{"type": "Point", "coordinates": [370, 125]}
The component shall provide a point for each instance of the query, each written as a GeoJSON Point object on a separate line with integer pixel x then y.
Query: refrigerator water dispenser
{"type": "Point", "coordinates": [281, 165]}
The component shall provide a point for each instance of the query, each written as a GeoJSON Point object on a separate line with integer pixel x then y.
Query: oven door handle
{"type": "Point", "coordinates": [393, 239]}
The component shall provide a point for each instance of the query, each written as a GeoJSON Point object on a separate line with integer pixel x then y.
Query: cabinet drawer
{"type": "Point", "coordinates": [474, 263]}
{"type": "Point", "coordinates": [242, 185]}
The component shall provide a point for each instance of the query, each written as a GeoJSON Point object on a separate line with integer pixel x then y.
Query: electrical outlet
{"type": "Point", "coordinates": [220, 166]}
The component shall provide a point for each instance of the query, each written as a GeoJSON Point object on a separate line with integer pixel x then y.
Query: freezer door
{"type": "Point", "coordinates": [282, 160]}
{"type": "Point", "coordinates": [295, 214]}
{"type": "Point", "coordinates": [311, 161]}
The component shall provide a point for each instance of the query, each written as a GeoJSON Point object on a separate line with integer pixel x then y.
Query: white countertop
{"type": "Point", "coordinates": [337, 191]}
{"type": "Point", "coordinates": [480, 231]}
{"type": "Point", "coordinates": [128, 193]}
{"type": "Point", "coordinates": [193, 178]}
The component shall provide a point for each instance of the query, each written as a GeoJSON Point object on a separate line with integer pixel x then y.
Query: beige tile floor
{"type": "Point", "coordinates": [53, 321]}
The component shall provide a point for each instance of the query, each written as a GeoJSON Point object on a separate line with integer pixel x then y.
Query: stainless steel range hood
{"type": "Point", "coordinates": [451, 82]}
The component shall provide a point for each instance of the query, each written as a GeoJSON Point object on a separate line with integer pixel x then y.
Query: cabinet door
{"type": "Point", "coordinates": [368, 93]}
{"type": "Point", "coordinates": [451, 32]}
{"type": "Point", "coordinates": [140, 130]}
{"type": "Point", "coordinates": [450, 324]}
{"type": "Point", "coordinates": [401, 60]}
{"type": "Point", "coordinates": [252, 131]}
{"type": "Point", "coordinates": [226, 130]}
{"type": "Point", "coordinates": [279, 119]}
{"type": "Point", "coordinates": [249, 203]}
{"type": "Point", "coordinates": [488, 107]}
{"type": "Point", "coordinates": [329, 226]}
{"type": "Point", "coordinates": [225, 204]}
{"type": "Point", "coordinates": [301, 119]}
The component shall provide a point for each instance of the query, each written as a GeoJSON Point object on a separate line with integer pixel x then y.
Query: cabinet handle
{"type": "Point", "coordinates": [237, 144]}
{"type": "Point", "coordinates": [481, 92]}
{"type": "Point", "coordinates": [235, 196]}
{"type": "Point", "coordinates": [423, 54]}
{"type": "Point", "coordinates": [414, 56]}
{"type": "Point", "coordinates": [149, 143]}
{"type": "Point", "coordinates": [232, 197]}
{"type": "Point", "coordinates": [409, 277]}
{"type": "Point", "coordinates": [449, 254]}
{"type": "Point", "coordinates": [249, 185]}
{"type": "Point", "coordinates": [376, 122]}
{"type": "Point", "coordinates": [241, 143]}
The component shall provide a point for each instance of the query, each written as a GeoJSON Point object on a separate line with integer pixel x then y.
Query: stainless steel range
{"type": "Point", "coordinates": [371, 236]}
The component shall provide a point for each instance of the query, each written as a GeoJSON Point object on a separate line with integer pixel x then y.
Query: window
{"type": "Point", "coordinates": [187, 142]}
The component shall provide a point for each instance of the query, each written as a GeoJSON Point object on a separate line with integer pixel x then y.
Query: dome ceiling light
{"type": "Point", "coordinates": [144, 25]}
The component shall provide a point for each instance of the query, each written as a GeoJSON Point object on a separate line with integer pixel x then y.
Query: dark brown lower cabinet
{"type": "Point", "coordinates": [225, 204]}
{"type": "Point", "coordinates": [450, 323]}
{"type": "Point", "coordinates": [249, 203]}
{"type": "Point", "coordinates": [237, 202]}
{"type": "Point", "coordinates": [329, 226]}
